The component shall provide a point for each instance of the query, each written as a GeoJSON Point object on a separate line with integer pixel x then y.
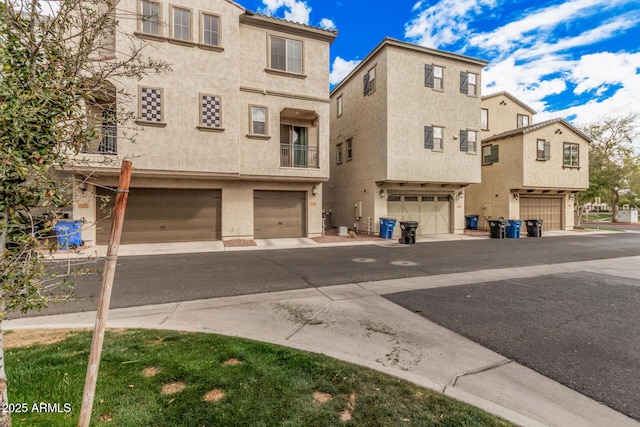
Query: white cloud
{"type": "Point", "coordinates": [340, 69]}
{"type": "Point", "coordinates": [327, 24]}
{"type": "Point", "coordinates": [444, 22]}
{"type": "Point", "coordinates": [295, 10]}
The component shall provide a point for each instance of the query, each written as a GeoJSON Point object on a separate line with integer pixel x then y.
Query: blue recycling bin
{"type": "Point", "coordinates": [69, 233]}
{"type": "Point", "coordinates": [513, 229]}
{"type": "Point", "coordinates": [386, 227]}
{"type": "Point", "coordinates": [471, 222]}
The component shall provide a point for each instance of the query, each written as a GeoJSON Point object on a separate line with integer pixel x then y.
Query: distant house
{"type": "Point", "coordinates": [233, 142]}
{"type": "Point", "coordinates": [405, 139]}
{"type": "Point", "coordinates": [529, 171]}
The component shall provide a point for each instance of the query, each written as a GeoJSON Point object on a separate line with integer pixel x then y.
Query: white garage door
{"type": "Point", "coordinates": [433, 213]}
{"type": "Point", "coordinates": [548, 209]}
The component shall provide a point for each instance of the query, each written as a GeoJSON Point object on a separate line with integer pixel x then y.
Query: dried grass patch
{"type": "Point", "coordinates": [214, 395]}
{"type": "Point", "coordinates": [232, 362]}
{"type": "Point", "coordinates": [150, 371]}
{"type": "Point", "coordinates": [321, 397]}
{"type": "Point", "coordinates": [173, 388]}
{"type": "Point", "coordinates": [27, 337]}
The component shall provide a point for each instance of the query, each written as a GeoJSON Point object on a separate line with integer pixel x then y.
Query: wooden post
{"type": "Point", "coordinates": [105, 294]}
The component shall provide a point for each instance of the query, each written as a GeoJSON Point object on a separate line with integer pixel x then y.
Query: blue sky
{"type": "Point", "coordinates": [576, 59]}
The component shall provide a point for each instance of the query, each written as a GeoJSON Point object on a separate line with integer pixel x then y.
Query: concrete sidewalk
{"type": "Point", "coordinates": [355, 323]}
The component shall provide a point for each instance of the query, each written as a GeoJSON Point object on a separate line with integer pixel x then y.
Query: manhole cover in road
{"type": "Point", "coordinates": [363, 260]}
{"type": "Point", "coordinates": [404, 263]}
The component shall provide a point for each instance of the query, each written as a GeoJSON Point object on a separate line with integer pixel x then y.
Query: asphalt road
{"type": "Point", "coordinates": [578, 329]}
{"type": "Point", "coordinates": [143, 280]}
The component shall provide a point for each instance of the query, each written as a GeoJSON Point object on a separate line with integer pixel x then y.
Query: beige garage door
{"type": "Point", "coordinates": [433, 213]}
{"type": "Point", "coordinates": [164, 215]}
{"type": "Point", "coordinates": [279, 214]}
{"type": "Point", "coordinates": [548, 209]}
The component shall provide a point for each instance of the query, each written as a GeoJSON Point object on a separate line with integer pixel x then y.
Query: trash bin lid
{"type": "Point", "coordinates": [409, 223]}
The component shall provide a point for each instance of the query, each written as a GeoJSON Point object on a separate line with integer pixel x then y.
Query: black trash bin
{"type": "Point", "coordinates": [497, 228]}
{"type": "Point", "coordinates": [408, 229]}
{"type": "Point", "coordinates": [534, 228]}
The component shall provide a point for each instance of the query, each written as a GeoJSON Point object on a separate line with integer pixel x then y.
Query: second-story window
{"type": "Point", "coordinates": [490, 154]}
{"type": "Point", "coordinates": [468, 141]}
{"type": "Point", "coordinates": [181, 24]}
{"type": "Point", "coordinates": [258, 120]}
{"type": "Point", "coordinates": [150, 17]}
{"type": "Point", "coordinates": [339, 153]}
{"type": "Point", "coordinates": [350, 149]}
{"type": "Point", "coordinates": [339, 106]}
{"type": "Point", "coordinates": [571, 155]}
{"type": "Point", "coordinates": [484, 118]}
{"type": "Point", "coordinates": [210, 29]}
{"type": "Point", "coordinates": [433, 137]}
{"type": "Point", "coordinates": [523, 120]}
{"type": "Point", "coordinates": [543, 150]}
{"type": "Point", "coordinates": [286, 55]}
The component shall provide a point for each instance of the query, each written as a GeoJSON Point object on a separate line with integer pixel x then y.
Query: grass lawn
{"type": "Point", "coordinates": [167, 378]}
{"type": "Point", "coordinates": [592, 217]}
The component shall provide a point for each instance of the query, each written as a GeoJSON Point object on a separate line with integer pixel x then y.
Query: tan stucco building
{"type": "Point", "coordinates": [529, 171]}
{"type": "Point", "coordinates": [405, 139]}
{"type": "Point", "coordinates": [232, 143]}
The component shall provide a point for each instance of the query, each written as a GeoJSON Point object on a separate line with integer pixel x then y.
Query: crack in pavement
{"type": "Point", "coordinates": [477, 371]}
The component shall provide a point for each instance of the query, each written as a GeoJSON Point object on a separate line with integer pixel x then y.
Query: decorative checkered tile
{"type": "Point", "coordinates": [151, 105]}
{"type": "Point", "coordinates": [210, 111]}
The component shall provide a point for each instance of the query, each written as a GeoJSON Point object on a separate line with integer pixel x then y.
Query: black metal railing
{"type": "Point", "coordinates": [299, 156]}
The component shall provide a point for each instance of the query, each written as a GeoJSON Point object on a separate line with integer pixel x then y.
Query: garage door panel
{"type": "Point", "coordinates": [548, 209]}
{"type": "Point", "coordinates": [431, 212]}
{"type": "Point", "coordinates": [279, 214]}
{"type": "Point", "coordinates": [165, 215]}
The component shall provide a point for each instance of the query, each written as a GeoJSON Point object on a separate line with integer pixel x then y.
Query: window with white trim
{"type": "Point", "coordinates": [349, 149]}
{"type": "Point", "coordinates": [484, 118]}
{"type": "Point", "coordinates": [433, 76]}
{"type": "Point", "coordinates": [258, 120]}
{"type": "Point", "coordinates": [181, 21]}
{"type": "Point", "coordinates": [468, 83]}
{"type": "Point", "coordinates": [210, 29]}
{"type": "Point", "coordinates": [490, 154]}
{"type": "Point", "coordinates": [339, 154]}
{"type": "Point", "coordinates": [369, 81]}
{"type": "Point", "coordinates": [543, 150]}
{"type": "Point", "coordinates": [472, 138]}
{"type": "Point", "coordinates": [433, 138]}
{"type": "Point", "coordinates": [150, 18]}
{"type": "Point", "coordinates": [286, 55]}
{"type": "Point", "coordinates": [571, 155]}
{"type": "Point", "coordinates": [339, 106]}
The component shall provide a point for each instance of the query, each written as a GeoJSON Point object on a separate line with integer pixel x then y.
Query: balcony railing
{"type": "Point", "coordinates": [298, 156]}
{"type": "Point", "coordinates": [107, 144]}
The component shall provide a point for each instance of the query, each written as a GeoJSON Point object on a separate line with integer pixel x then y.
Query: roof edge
{"type": "Point", "coordinates": [534, 127]}
{"type": "Point", "coordinates": [273, 23]}
{"type": "Point", "coordinates": [510, 96]}
{"type": "Point", "coordinates": [390, 41]}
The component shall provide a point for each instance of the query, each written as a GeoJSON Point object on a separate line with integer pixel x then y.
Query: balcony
{"type": "Point", "coordinates": [298, 156]}
{"type": "Point", "coordinates": [106, 144]}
